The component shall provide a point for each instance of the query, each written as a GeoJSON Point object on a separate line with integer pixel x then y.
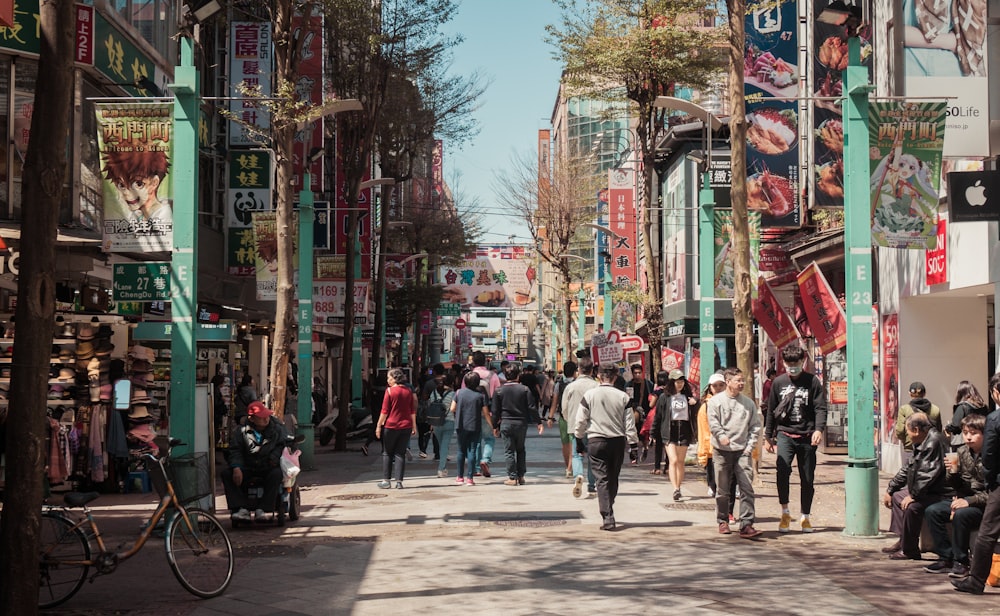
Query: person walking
{"type": "Point", "coordinates": [989, 528]}
{"type": "Point", "coordinates": [606, 418]}
{"type": "Point", "coordinates": [676, 414]}
{"type": "Point", "coordinates": [716, 385]}
{"type": "Point", "coordinates": [653, 439]}
{"type": "Point", "coordinates": [444, 394]}
{"type": "Point", "coordinates": [514, 406]}
{"type": "Point", "coordinates": [557, 415]}
{"type": "Point", "coordinates": [491, 381]}
{"type": "Point", "coordinates": [639, 390]}
{"type": "Point", "coordinates": [571, 398]}
{"type": "Point", "coordinates": [797, 433]}
{"type": "Point", "coordinates": [396, 423]}
{"type": "Point", "coordinates": [470, 412]}
{"type": "Point", "coordinates": [734, 423]}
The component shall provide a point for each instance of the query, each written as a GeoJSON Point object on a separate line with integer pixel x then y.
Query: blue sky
{"type": "Point", "coordinates": [504, 41]}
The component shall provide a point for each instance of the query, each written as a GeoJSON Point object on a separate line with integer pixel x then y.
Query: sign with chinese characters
{"type": "Point", "coordinates": [84, 33]}
{"type": "Point", "coordinates": [767, 310]}
{"type": "Point", "coordinates": [495, 277]}
{"type": "Point", "coordinates": [249, 67]}
{"type": "Point", "coordinates": [265, 242]}
{"type": "Point", "coordinates": [309, 88]}
{"type": "Point", "coordinates": [329, 297]}
{"type": "Point", "coordinates": [725, 271]}
{"type": "Point", "coordinates": [118, 59]}
{"type": "Point", "coordinates": [624, 224]}
{"type": "Point", "coordinates": [616, 348]}
{"type": "Point", "coordinates": [249, 192]}
{"type": "Point", "coordinates": [141, 282]}
{"type": "Point", "coordinates": [823, 311]}
{"type": "Point", "coordinates": [936, 259]}
{"type": "Point", "coordinates": [135, 142]}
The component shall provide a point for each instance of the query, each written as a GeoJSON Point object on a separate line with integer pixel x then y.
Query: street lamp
{"type": "Point", "coordinates": [706, 234]}
{"type": "Point", "coordinates": [307, 217]}
{"type": "Point", "coordinates": [861, 474]}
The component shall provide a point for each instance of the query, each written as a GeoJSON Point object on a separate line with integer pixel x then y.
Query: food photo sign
{"type": "Point", "coordinates": [770, 73]}
{"type": "Point", "coordinates": [495, 277]}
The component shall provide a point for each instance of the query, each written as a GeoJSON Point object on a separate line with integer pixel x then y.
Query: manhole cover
{"type": "Point", "coordinates": [690, 506]}
{"type": "Point", "coordinates": [522, 523]}
{"type": "Point", "coordinates": [355, 497]}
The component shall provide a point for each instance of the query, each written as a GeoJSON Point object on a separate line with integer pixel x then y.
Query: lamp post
{"type": "Point", "coordinates": [307, 216]}
{"type": "Point", "coordinates": [861, 474]}
{"type": "Point", "coordinates": [706, 235]}
{"type": "Point", "coordinates": [405, 345]}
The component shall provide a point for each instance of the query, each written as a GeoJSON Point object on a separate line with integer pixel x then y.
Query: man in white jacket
{"type": "Point", "coordinates": [605, 418]}
{"type": "Point", "coordinates": [735, 426]}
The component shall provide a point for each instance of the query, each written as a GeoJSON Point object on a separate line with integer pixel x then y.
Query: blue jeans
{"type": "Point", "coordinates": [443, 434]}
{"type": "Point", "coordinates": [468, 443]}
{"type": "Point", "coordinates": [514, 435]}
{"type": "Point", "coordinates": [485, 445]}
{"type": "Point", "coordinates": [578, 459]}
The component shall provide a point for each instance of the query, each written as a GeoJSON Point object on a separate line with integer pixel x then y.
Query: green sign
{"type": "Point", "coordinates": [487, 314]}
{"type": "Point", "coordinates": [118, 59]}
{"type": "Point", "coordinates": [24, 36]}
{"type": "Point", "coordinates": [449, 309]}
{"type": "Point", "coordinates": [141, 282]}
{"type": "Point", "coordinates": [204, 332]}
{"type": "Point", "coordinates": [249, 169]}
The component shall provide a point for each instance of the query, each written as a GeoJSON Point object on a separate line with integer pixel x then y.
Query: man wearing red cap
{"type": "Point", "coordinates": [254, 452]}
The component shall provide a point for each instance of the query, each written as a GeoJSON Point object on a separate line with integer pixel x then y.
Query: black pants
{"type": "Point", "coordinates": [394, 444]}
{"type": "Point", "coordinates": [236, 496]}
{"type": "Point", "coordinates": [606, 458]}
{"type": "Point", "coordinates": [965, 521]}
{"type": "Point", "coordinates": [425, 436]}
{"type": "Point", "coordinates": [658, 457]}
{"type": "Point", "coordinates": [911, 520]}
{"type": "Point", "coordinates": [804, 453]}
{"type": "Point", "coordinates": [989, 532]}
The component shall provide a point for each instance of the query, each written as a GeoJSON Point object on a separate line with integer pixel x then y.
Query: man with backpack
{"type": "Point", "coordinates": [555, 414]}
{"type": "Point", "coordinates": [491, 382]}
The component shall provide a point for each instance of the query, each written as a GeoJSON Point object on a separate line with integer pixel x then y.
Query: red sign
{"type": "Point", "coordinates": [309, 87]}
{"type": "Point", "coordinates": [671, 359]}
{"type": "Point", "coordinates": [623, 222]}
{"type": "Point", "coordinates": [772, 316]}
{"type": "Point", "coordinates": [460, 323]}
{"type": "Point", "coordinates": [84, 33]}
{"type": "Point", "coordinates": [7, 14]}
{"type": "Point", "coordinates": [936, 260]}
{"type": "Point", "coordinates": [823, 311]}
{"type": "Point", "coordinates": [616, 348]}
{"type": "Point", "coordinates": [694, 370]}
{"type": "Point", "coordinates": [426, 322]}
{"type": "Point", "coordinates": [889, 391]}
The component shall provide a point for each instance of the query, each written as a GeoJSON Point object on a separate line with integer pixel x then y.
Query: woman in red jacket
{"type": "Point", "coordinates": [399, 421]}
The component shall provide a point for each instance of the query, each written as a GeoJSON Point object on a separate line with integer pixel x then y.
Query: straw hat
{"type": "Point", "coordinates": [138, 411]}
{"type": "Point", "coordinates": [140, 396]}
{"type": "Point", "coordinates": [86, 332]}
{"type": "Point", "coordinates": [66, 375]}
{"type": "Point", "coordinates": [84, 349]}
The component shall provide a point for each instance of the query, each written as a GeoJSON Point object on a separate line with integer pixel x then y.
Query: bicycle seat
{"type": "Point", "coordinates": [79, 499]}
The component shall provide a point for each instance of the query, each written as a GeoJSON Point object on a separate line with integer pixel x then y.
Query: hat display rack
{"type": "Point", "coordinates": [143, 415]}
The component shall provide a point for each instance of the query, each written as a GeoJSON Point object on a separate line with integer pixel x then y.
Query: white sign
{"type": "Point", "coordinates": [328, 301]}
{"type": "Point", "coordinates": [250, 64]}
{"type": "Point", "coordinates": [616, 348]}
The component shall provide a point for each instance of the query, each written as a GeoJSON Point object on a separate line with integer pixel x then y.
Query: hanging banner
{"type": "Point", "coordinates": [135, 142]}
{"type": "Point", "coordinates": [309, 87]}
{"type": "Point", "coordinates": [936, 259]}
{"type": "Point", "coordinates": [725, 273]}
{"type": "Point", "coordinates": [249, 192]}
{"type": "Point", "coordinates": [603, 240]}
{"type": "Point", "coordinates": [495, 277]}
{"type": "Point", "coordinates": [823, 310]}
{"type": "Point", "coordinates": [622, 213]}
{"type": "Point", "coordinates": [889, 401]}
{"type": "Point", "coordinates": [906, 141]}
{"type": "Point", "coordinates": [265, 241]}
{"type": "Point", "coordinates": [772, 134]}
{"type": "Point", "coordinates": [771, 316]}
{"type": "Point", "coordinates": [249, 67]}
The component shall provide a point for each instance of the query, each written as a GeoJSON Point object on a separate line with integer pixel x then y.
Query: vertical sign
{"type": "Point", "coordinates": [84, 32]}
{"type": "Point", "coordinates": [309, 87]}
{"type": "Point", "coordinates": [437, 171]}
{"type": "Point", "coordinates": [621, 206]}
{"type": "Point", "coordinates": [265, 237]}
{"type": "Point", "coordinates": [772, 125]}
{"type": "Point", "coordinates": [725, 272]}
{"type": "Point", "coordinates": [890, 376]}
{"type": "Point", "coordinates": [603, 240]}
{"type": "Point", "coordinates": [823, 310]}
{"type": "Point", "coordinates": [936, 259]}
{"type": "Point", "coordinates": [249, 67]}
{"type": "Point", "coordinates": [249, 193]}
{"type": "Point", "coordinates": [906, 140]}
{"type": "Point", "coordinates": [135, 141]}
{"type": "Point", "coordinates": [341, 213]}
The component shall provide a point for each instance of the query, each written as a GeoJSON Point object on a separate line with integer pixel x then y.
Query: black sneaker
{"type": "Point", "coordinates": [959, 570]}
{"type": "Point", "coordinates": [677, 495]}
{"type": "Point", "coordinates": [939, 566]}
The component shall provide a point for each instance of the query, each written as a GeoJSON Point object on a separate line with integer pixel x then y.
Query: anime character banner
{"type": "Point", "coordinates": [906, 141]}
{"type": "Point", "coordinates": [725, 272]}
{"type": "Point", "coordinates": [135, 141]}
{"type": "Point", "coordinates": [770, 71]}
{"type": "Point", "coordinates": [265, 238]}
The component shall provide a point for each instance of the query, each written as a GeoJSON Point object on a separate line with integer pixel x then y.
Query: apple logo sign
{"type": "Point", "coordinates": [976, 194]}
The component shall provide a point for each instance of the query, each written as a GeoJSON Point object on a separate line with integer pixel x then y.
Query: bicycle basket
{"type": "Point", "coordinates": [190, 476]}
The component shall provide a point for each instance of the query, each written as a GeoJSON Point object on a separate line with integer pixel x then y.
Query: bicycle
{"type": "Point", "coordinates": [197, 547]}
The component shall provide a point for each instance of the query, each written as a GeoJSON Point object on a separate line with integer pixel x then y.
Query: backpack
{"type": "Point", "coordinates": [435, 411]}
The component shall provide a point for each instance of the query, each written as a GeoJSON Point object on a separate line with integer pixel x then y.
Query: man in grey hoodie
{"type": "Point", "coordinates": [735, 426]}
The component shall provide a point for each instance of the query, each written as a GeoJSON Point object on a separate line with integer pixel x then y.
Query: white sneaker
{"type": "Point", "coordinates": [259, 515]}
{"type": "Point", "coordinates": [711, 493]}
{"type": "Point", "coordinates": [242, 515]}
{"type": "Point", "coordinates": [442, 473]}
{"type": "Point", "coordinates": [578, 486]}
{"type": "Point", "coordinates": [422, 454]}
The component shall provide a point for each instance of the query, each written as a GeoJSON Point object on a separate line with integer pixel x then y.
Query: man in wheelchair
{"type": "Point", "coordinates": [254, 455]}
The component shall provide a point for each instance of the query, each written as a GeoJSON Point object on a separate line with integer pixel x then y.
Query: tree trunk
{"type": "Point", "coordinates": [44, 182]}
{"type": "Point", "coordinates": [347, 355]}
{"type": "Point", "coordinates": [741, 223]}
{"type": "Point", "coordinates": [378, 277]}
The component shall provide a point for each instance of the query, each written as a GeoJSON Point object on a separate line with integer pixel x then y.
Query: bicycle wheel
{"type": "Point", "coordinates": [200, 555]}
{"type": "Point", "coordinates": [59, 542]}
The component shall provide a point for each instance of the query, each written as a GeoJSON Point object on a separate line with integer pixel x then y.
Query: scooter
{"type": "Point", "coordinates": [289, 501]}
{"type": "Point", "coordinates": [359, 424]}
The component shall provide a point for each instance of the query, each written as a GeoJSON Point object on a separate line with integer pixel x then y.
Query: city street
{"type": "Point", "coordinates": [435, 547]}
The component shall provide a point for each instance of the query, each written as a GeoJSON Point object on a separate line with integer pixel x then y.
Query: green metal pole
{"type": "Point", "coordinates": [553, 349]}
{"type": "Point", "coordinates": [306, 218]}
{"type": "Point", "coordinates": [356, 389]}
{"type": "Point", "coordinates": [861, 475]}
{"type": "Point", "coordinates": [581, 332]}
{"type": "Point", "coordinates": [184, 269]}
{"type": "Point", "coordinates": [608, 302]}
{"type": "Point", "coordinates": [706, 276]}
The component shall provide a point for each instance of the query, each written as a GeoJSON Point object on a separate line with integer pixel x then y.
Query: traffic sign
{"type": "Point", "coordinates": [459, 323]}
{"type": "Point", "coordinates": [449, 309]}
{"type": "Point", "coordinates": [141, 282]}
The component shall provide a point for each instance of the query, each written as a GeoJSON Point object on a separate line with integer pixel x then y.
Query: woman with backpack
{"type": "Point", "coordinates": [439, 404]}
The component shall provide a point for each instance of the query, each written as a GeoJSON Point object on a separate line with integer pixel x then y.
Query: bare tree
{"type": "Point", "coordinates": [637, 50]}
{"type": "Point", "coordinates": [44, 176]}
{"type": "Point", "coordinates": [553, 204]}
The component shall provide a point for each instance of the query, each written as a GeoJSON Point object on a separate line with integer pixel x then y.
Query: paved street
{"type": "Point", "coordinates": [435, 547]}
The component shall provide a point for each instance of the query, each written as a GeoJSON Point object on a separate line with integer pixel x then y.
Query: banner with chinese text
{"type": "Point", "coordinates": [823, 311]}
{"type": "Point", "coordinates": [265, 238]}
{"type": "Point", "coordinates": [906, 141]}
{"type": "Point", "coordinates": [135, 142]}
{"type": "Point", "coordinates": [249, 67]}
{"type": "Point", "coordinates": [495, 277]}
{"type": "Point", "coordinates": [249, 193]}
{"type": "Point", "coordinates": [624, 223]}
{"type": "Point", "coordinates": [771, 316]}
